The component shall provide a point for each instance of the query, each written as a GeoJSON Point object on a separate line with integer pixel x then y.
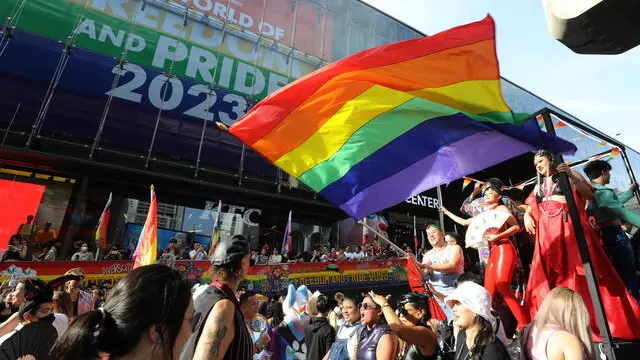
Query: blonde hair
{"type": "Point", "coordinates": [565, 309]}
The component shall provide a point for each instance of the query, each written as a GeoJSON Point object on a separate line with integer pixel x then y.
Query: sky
{"type": "Point", "coordinates": [601, 90]}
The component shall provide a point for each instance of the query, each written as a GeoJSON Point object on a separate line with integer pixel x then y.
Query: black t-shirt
{"type": "Point", "coordinates": [493, 351]}
{"type": "Point", "coordinates": [6, 312]}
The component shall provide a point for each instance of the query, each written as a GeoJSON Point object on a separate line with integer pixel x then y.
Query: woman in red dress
{"type": "Point", "coordinates": [556, 259]}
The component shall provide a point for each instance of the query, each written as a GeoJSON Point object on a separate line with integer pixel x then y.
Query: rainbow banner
{"type": "Point", "coordinates": [147, 247]}
{"type": "Point", "coordinates": [380, 126]}
{"type": "Point", "coordinates": [268, 279]}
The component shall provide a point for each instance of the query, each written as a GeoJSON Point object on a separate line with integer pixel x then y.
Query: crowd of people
{"type": "Point", "coordinates": [154, 313]}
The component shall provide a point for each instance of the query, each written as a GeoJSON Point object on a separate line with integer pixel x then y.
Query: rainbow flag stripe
{"type": "Point", "coordinates": [366, 131]}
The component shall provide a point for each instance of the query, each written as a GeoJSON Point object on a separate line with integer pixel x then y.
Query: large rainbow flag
{"type": "Point", "coordinates": [375, 128]}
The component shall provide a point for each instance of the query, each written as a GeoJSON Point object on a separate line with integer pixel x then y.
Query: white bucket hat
{"type": "Point", "coordinates": [474, 297]}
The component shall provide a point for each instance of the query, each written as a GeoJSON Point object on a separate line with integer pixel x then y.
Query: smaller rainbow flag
{"type": "Point", "coordinates": [215, 233]}
{"type": "Point", "coordinates": [287, 241]}
{"type": "Point", "coordinates": [147, 248]}
{"type": "Point", "coordinates": [559, 125]}
{"type": "Point", "coordinates": [466, 182]}
{"type": "Point", "coordinates": [103, 225]}
{"type": "Point", "coordinates": [614, 153]}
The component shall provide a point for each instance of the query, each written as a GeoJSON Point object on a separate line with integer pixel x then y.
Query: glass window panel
{"type": "Point", "coordinates": [339, 43]}
{"type": "Point", "coordinates": [587, 144]}
{"type": "Point", "coordinates": [310, 28]}
{"type": "Point", "coordinates": [405, 33]}
{"type": "Point", "coordinates": [361, 26]}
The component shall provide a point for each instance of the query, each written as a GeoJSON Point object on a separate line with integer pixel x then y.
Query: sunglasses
{"type": "Point", "coordinates": [366, 306]}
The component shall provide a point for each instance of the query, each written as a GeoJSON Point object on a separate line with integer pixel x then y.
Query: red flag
{"type": "Point", "coordinates": [416, 283]}
{"type": "Point", "coordinates": [147, 248]}
{"type": "Point", "coordinates": [103, 225]}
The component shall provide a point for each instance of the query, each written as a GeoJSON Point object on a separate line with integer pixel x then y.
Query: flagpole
{"type": "Point", "coordinates": [394, 246]}
{"type": "Point", "coordinates": [415, 235]}
{"type": "Point", "coordinates": [585, 256]}
{"type": "Point", "coordinates": [441, 214]}
{"type": "Point", "coordinates": [380, 235]}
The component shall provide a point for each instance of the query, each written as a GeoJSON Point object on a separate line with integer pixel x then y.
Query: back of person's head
{"type": "Point", "coordinates": [323, 304]}
{"type": "Point", "coordinates": [244, 297]}
{"type": "Point", "coordinates": [595, 168]}
{"type": "Point", "coordinates": [455, 236]}
{"type": "Point", "coordinates": [564, 308]}
{"type": "Point", "coordinates": [516, 194]}
{"type": "Point", "coordinates": [419, 301]}
{"type": "Point", "coordinates": [64, 303]}
{"type": "Point", "coordinates": [275, 312]}
{"type": "Point", "coordinates": [36, 293]}
{"type": "Point", "coordinates": [469, 276]}
{"type": "Point", "coordinates": [226, 261]}
{"type": "Point", "coordinates": [149, 301]}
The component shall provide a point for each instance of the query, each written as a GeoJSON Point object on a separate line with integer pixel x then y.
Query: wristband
{"type": "Point", "coordinates": [385, 305]}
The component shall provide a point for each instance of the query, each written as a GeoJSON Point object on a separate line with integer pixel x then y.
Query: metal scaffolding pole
{"type": "Point", "coordinates": [592, 282]}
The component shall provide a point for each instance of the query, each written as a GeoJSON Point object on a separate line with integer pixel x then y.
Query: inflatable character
{"type": "Point", "coordinates": [288, 337]}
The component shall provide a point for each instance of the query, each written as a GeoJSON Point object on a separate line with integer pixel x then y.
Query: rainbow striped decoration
{"type": "Point", "coordinates": [614, 153]}
{"type": "Point", "coordinates": [103, 226]}
{"type": "Point", "coordinates": [465, 182]}
{"type": "Point", "coordinates": [215, 233]}
{"type": "Point", "coordinates": [147, 247]}
{"type": "Point", "coordinates": [373, 129]}
{"type": "Point", "coordinates": [287, 241]}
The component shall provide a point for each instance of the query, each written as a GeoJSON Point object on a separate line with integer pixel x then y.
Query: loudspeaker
{"type": "Point", "coordinates": [594, 27]}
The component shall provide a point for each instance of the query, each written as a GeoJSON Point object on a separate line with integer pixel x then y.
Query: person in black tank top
{"type": "Point", "coordinates": [411, 325]}
{"type": "Point", "coordinates": [223, 334]}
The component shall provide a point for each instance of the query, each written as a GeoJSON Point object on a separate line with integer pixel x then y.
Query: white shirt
{"type": "Point", "coordinates": [197, 255]}
{"type": "Point", "coordinates": [80, 256]}
{"type": "Point", "coordinates": [275, 259]}
{"type": "Point", "coordinates": [61, 322]}
{"type": "Point", "coordinates": [10, 333]}
{"type": "Point", "coordinates": [358, 256]}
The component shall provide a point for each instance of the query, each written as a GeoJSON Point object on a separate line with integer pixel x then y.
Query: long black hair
{"type": "Point", "coordinates": [485, 336]}
{"type": "Point", "coordinates": [153, 295]}
{"type": "Point", "coordinates": [275, 312]}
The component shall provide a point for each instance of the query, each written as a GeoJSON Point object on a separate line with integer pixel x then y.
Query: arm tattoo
{"type": "Point", "coordinates": [214, 340]}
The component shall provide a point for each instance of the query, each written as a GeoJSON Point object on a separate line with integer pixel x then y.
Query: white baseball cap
{"type": "Point", "coordinates": [474, 297]}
